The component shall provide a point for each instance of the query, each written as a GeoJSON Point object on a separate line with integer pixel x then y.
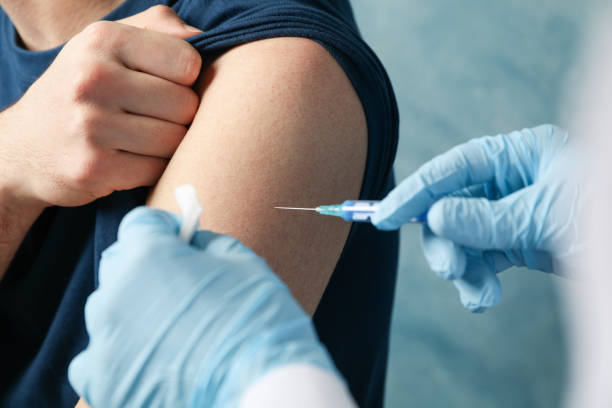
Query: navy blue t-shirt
{"type": "Point", "coordinates": [44, 291]}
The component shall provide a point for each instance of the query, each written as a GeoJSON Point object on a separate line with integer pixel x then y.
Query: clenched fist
{"type": "Point", "coordinates": [106, 115]}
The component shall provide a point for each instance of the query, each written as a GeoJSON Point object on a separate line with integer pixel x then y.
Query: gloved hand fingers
{"type": "Point", "coordinates": [202, 238]}
{"type": "Point", "coordinates": [88, 374]}
{"type": "Point", "coordinates": [145, 223]}
{"type": "Point", "coordinates": [539, 260]}
{"type": "Point", "coordinates": [221, 245]}
{"type": "Point", "coordinates": [115, 258]}
{"type": "Point", "coordinates": [499, 260]}
{"type": "Point", "coordinates": [141, 229]}
{"type": "Point", "coordinates": [78, 371]}
{"type": "Point", "coordinates": [479, 288]}
{"type": "Point", "coordinates": [476, 191]}
{"type": "Point", "coordinates": [485, 224]}
{"type": "Point", "coordinates": [465, 165]}
{"type": "Point", "coordinates": [445, 258]}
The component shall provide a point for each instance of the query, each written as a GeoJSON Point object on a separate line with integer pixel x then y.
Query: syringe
{"type": "Point", "coordinates": [351, 210]}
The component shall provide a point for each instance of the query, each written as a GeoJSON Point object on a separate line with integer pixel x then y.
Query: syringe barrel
{"type": "Point", "coordinates": [359, 210]}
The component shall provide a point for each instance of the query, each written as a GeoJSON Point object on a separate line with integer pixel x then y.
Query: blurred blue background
{"type": "Point", "coordinates": [463, 69]}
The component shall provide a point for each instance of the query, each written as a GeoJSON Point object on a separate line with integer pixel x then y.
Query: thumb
{"type": "Point", "coordinates": [162, 19]}
{"type": "Point", "coordinates": [513, 222]}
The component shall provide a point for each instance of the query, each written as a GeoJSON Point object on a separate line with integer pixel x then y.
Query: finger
{"type": "Point", "coordinates": [203, 238]}
{"type": "Point", "coordinates": [541, 261]}
{"type": "Point", "coordinates": [444, 257]}
{"type": "Point", "coordinates": [224, 246]}
{"type": "Point", "coordinates": [108, 259]}
{"type": "Point", "coordinates": [160, 55]}
{"type": "Point", "coordinates": [148, 95]}
{"type": "Point", "coordinates": [484, 224]}
{"type": "Point", "coordinates": [141, 135]}
{"type": "Point", "coordinates": [77, 373]}
{"type": "Point", "coordinates": [162, 19]}
{"type": "Point", "coordinates": [127, 170]}
{"type": "Point", "coordinates": [479, 190]}
{"type": "Point", "coordinates": [479, 288]}
{"type": "Point", "coordinates": [145, 222]}
{"type": "Point", "coordinates": [95, 308]}
{"type": "Point", "coordinates": [468, 164]}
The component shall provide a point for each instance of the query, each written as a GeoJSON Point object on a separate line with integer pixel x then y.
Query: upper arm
{"type": "Point", "coordinates": [279, 124]}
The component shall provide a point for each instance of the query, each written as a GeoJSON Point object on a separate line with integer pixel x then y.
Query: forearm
{"type": "Point", "coordinates": [16, 218]}
{"type": "Point", "coordinates": [17, 212]}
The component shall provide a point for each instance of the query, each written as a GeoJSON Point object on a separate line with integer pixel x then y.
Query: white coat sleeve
{"type": "Point", "coordinates": [298, 386]}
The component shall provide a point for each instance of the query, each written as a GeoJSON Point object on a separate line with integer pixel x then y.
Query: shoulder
{"type": "Point", "coordinates": [303, 41]}
{"type": "Point", "coordinates": [292, 60]}
{"type": "Point", "coordinates": [290, 79]}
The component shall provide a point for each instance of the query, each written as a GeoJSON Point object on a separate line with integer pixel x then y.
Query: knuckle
{"type": "Point", "coordinates": [82, 173]}
{"type": "Point", "coordinates": [87, 124]}
{"type": "Point", "coordinates": [85, 167]}
{"type": "Point", "coordinates": [88, 79]}
{"type": "Point", "coordinates": [100, 35]}
{"type": "Point", "coordinates": [85, 170]}
{"type": "Point", "coordinates": [82, 89]}
{"type": "Point", "coordinates": [436, 218]}
{"type": "Point", "coordinates": [98, 72]}
{"type": "Point", "coordinates": [161, 10]}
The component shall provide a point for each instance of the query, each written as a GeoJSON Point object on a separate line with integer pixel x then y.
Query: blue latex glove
{"type": "Point", "coordinates": [491, 203]}
{"type": "Point", "coordinates": [178, 325]}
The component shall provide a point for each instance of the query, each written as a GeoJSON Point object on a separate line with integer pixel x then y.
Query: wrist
{"type": "Point", "coordinates": [15, 192]}
{"type": "Point", "coordinates": [17, 211]}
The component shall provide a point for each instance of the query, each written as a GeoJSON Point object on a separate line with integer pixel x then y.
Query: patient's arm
{"type": "Point", "coordinates": [279, 124]}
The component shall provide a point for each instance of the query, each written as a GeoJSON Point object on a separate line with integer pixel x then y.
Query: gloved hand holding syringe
{"type": "Point", "coordinates": [485, 206]}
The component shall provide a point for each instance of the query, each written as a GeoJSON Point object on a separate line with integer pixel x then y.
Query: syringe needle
{"type": "Point", "coordinates": [295, 208]}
